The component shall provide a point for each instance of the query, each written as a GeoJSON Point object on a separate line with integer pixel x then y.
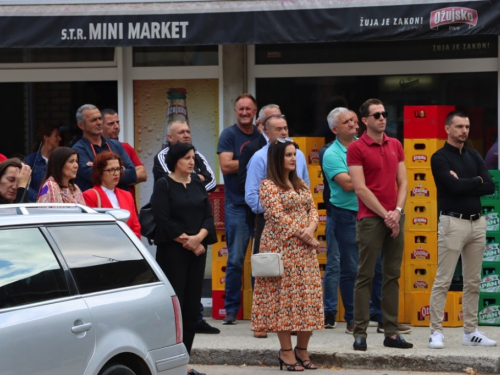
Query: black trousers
{"type": "Point", "coordinates": [185, 271]}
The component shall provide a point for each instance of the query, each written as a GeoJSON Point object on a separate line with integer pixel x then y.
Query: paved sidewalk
{"type": "Point", "coordinates": [235, 345]}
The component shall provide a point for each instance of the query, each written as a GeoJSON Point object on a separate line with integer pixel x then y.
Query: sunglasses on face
{"type": "Point", "coordinates": [283, 140]}
{"type": "Point", "coordinates": [377, 115]}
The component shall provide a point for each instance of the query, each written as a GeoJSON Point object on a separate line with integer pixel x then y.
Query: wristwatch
{"type": "Point", "coordinates": [401, 211]}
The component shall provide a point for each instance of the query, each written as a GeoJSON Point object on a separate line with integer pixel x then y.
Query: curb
{"type": "Point", "coordinates": [354, 360]}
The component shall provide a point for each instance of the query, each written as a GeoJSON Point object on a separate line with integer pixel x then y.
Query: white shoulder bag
{"type": "Point", "coordinates": [267, 265]}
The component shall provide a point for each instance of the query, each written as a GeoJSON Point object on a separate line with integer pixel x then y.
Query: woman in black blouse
{"type": "Point", "coordinates": [184, 228]}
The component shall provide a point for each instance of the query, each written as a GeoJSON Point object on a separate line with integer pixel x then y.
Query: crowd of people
{"type": "Point", "coordinates": [268, 200]}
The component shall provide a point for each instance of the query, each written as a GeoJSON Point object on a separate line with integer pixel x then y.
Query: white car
{"type": "Point", "coordinates": [80, 294]}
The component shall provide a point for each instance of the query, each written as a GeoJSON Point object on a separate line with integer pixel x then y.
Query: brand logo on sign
{"type": "Point", "coordinates": [419, 191]}
{"type": "Point", "coordinates": [419, 157]}
{"type": "Point", "coordinates": [223, 252]}
{"type": "Point", "coordinates": [420, 254]}
{"type": "Point", "coordinates": [491, 314]}
{"type": "Point", "coordinates": [490, 284]}
{"type": "Point", "coordinates": [314, 156]}
{"type": "Point", "coordinates": [491, 252]}
{"type": "Point", "coordinates": [420, 220]}
{"type": "Point", "coordinates": [177, 109]}
{"type": "Point", "coordinates": [319, 188]}
{"type": "Point", "coordinates": [420, 284]}
{"type": "Point", "coordinates": [425, 311]}
{"type": "Point", "coordinates": [448, 16]}
{"type": "Point", "coordinates": [322, 218]}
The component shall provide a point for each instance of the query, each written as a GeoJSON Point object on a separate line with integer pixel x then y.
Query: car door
{"type": "Point", "coordinates": [43, 328]}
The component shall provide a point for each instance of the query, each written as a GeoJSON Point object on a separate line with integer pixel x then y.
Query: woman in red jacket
{"type": "Point", "coordinates": [106, 174]}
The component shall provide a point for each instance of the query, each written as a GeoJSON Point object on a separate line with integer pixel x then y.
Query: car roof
{"type": "Point", "coordinates": [50, 213]}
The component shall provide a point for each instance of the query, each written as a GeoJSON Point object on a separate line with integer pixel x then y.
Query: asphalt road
{"type": "Point", "coordinates": [264, 370]}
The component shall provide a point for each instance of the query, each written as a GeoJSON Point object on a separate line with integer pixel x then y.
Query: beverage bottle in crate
{"type": "Point", "coordinates": [177, 110]}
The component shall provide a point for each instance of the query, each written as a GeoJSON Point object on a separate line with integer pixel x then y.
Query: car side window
{"type": "Point", "coordinates": [29, 270]}
{"type": "Point", "coordinates": [101, 257]}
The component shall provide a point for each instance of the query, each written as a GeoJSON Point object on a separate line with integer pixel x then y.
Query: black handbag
{"type": "Point", "coordinates": [148, 224]}
{"type": "Point", "coordinates": [147, 221]}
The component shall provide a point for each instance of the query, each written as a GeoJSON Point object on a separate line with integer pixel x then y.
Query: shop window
{"type": "Point", "coordinates": [176, 56]}
{"type": "Point", "coordinates": [465, 47]}
{"type": "Point", "coordinates": [48, 55]}
{"type": "Point", "coordinates": [307, 101]}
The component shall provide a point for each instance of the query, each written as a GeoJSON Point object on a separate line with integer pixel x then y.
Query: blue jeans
{"type": "Point", "coordinates": [237, 237]}
{"type": "Point", "coordinates": [375, 305]}
{"type": "Point", "coordinates": [342, 261]}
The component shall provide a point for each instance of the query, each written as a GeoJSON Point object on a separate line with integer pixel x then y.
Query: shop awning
{"type": "Point", "coordinates": [242, 22]}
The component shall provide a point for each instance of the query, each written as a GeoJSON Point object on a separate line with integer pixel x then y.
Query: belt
{"type": "Point", "coordinates": [472, 217]}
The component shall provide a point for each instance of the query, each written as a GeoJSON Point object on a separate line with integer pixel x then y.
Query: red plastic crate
{"type": "Point", "coordinates": [426, 121]}
{"type": "Point", "coordinates": [217, 201]}
{"type": "Point", "coordinates": [218, 310]}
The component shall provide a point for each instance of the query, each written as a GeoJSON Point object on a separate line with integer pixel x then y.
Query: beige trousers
{"type": "Point", "coordinates": [468, 238]}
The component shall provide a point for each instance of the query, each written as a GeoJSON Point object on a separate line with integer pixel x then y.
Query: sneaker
{"type": "Point", "coordinates": [349, 329]}
{"type": "Point", "coordinates": [401, 328]}
{"type": "Point", "coordinates": [436, 340]}
{"type": "Point", "coordinates": [204, 327]}
{"type": "Point", "coordinates": [230, 318]}
{"type": "Point", "coordinates": [477, 338]}
{"type": "Point", "coordinates": [330, 320]}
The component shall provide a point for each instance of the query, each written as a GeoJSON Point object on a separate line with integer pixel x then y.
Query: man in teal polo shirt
{"type": "Point", "coordinates": [343, 208]}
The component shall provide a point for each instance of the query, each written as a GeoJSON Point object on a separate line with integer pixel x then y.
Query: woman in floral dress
{"type": "Point", "coordinates": [294, 301]}
{"type": "Point", "coordinates": [59, 183]}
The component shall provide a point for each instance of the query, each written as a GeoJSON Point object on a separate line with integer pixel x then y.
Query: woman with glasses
{"type": "Point", "coordinates": [294, 301]}
{"type": "Point", "coordinates": [59, 182]}
{"type": "Point", "coordinates": [107, 171]}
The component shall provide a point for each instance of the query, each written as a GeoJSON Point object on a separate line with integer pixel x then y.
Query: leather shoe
{"type": "Point", "coordinates": [398, 342]}
{"type": "Point", "coordinates": [360, 343]}
{"type": "Point", "coordinates": [194, 372]}
{"type": "Point", "coordinates": [260, 335]}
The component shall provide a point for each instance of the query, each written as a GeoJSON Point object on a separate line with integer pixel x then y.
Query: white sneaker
{"type": "Point", "coordinates": [477, 338]}
{"type": "Point", "coordinates": [436, 340]}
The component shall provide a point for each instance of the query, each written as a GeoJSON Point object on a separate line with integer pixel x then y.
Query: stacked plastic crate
{"type": "Point", "coordinates": [424, 134]}
{"type": "Point", "coordinates": [489, 288]}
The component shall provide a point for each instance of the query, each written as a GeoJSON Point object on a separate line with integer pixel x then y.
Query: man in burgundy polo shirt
{"type": "Point", "coordinates": [376, 166]}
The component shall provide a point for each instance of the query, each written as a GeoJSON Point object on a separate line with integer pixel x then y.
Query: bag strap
{"type": "Point", "coordinates": [98, 198]}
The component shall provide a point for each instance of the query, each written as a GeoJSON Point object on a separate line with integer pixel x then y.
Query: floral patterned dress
{"type": "Point", "coordinates": [293, 302]}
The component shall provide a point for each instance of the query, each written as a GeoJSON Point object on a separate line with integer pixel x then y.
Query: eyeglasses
{"type": "Point", "coordinates": [113, 170]}
{"type": "Point", "coordinates": [377, 115]}
{"type": "Point", "coordinates": [283, 140]}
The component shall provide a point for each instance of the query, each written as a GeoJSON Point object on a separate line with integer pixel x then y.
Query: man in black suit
{"type": "Point", "coordinates": [256, 226]}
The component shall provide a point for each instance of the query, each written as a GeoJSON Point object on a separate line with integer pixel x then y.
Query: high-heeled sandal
{"type": "Point", "coordinates": [288, 366]}
{"type": "Point", "coordinates": [310, 365]}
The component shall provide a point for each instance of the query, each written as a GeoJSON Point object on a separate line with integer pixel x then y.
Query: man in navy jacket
{"type": "Point", "coordinates": [89, 119]}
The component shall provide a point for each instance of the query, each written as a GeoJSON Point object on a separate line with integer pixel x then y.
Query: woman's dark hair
{"type": "Point", "coordinates": [276, 167]}
{"type": "Point", "coordinates": [176, 152]}
{"type": "Point", "coordinates": [58, 157]}
{"type": "Point", "coordinates": [100, 163]}
{"type": "Point", "coordinates": [44, 130]}
{"type": "Point", "coordinates": [6, 164]}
